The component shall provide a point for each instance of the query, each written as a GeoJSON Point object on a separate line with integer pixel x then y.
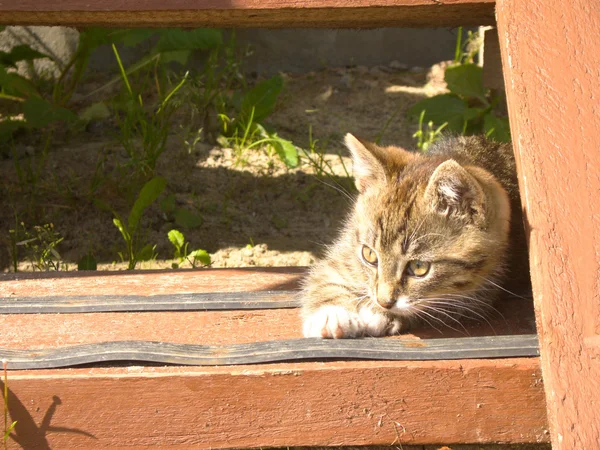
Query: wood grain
{"type": "Point", "coordinates": [249, 13]}
{"type": "Point", "coordinates": [551, 58]}
{"type": "Point", "coordinates": [155, 282]}
{"type": "Point", "coordinates": [309, 404]}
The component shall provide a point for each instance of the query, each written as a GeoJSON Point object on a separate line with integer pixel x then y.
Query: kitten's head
{"type": "Point", "coordinates": [426, 228]}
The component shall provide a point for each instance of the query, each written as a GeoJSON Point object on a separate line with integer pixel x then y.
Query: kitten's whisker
{"type": "Point", "coordinates": [481, 316]}
{"type": "Point", "coordinates": [500, 287]}
{"type": "Point", "coordinates": [442, 311]}
{"type": "Point", "coordinates": [439, 320]}
{"type": "Point", "coordinates": [412, 235]}
{"type": "Point", "coordinates": [427, 235]}
{"type": "Point", "coordinates": [416, 312]}
{"type": "Point", "coordinates": [481, 304]}
{"type": "Point", "coordinates": [338, 188]}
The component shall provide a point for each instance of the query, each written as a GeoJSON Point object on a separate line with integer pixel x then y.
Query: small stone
{"type": "Point", "coordinates": [416, 69]}
{"type": "Point", "coordinates": [346, 81]}
{"type": "Point", "coordinates": [361, 70]}
{"type": "Point", "coordinates": [397, 65]}
{"type": "Point", "coordinates": [377, 70]}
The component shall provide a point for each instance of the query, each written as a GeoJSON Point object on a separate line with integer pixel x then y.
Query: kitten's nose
{"type": "Point", "coordinates": [387, 304]}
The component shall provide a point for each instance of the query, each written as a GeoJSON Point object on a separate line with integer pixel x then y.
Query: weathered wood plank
{"type": "Point", "coordinates": [338, 403]}
{"type": "Point", "coordinates": [551, 58]}
{"type": "Point", "coordinates": [150, 282]}
{"type": "Point", "coordinates": [21, 331]}
{"type": "Point", "coordinates": [249, 13]}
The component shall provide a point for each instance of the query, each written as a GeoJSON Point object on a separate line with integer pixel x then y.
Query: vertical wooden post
{"type": "Point", "coordinates": [551, 58]}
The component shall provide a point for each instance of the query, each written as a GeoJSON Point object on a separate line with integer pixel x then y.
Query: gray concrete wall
{"type": "Point", "coordinates": [289, 50]}
{"type": "Point", "coordinates": [305, 50]}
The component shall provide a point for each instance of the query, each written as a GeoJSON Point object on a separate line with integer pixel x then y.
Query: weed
{"type": "Point", "coordinates": [243, 130]}
{"type": "Point", "coordinates": [469, 108]}
{"type": "Point", "coordinates": [149, 127]}
{"type": "Point", "coordinates": [7, 428]}
{"type": "Point", "coordinates": [130, 230]}
{"type": "Point", "coordinates": [87, 262]}
{"type": "Point", "coordinates": [39, 244]}
{"type": "Point", "coordinates": [427, 137]}
{"type": "Point", "coordinates": [316, 158]}
{"type": "Point", "coordinates": [181, 251]}
{"type": "Point", "coordinates": [210, 91]}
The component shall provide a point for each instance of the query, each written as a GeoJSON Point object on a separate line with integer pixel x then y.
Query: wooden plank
{"type": "Point", "coordinates": [21, 331]}
{"type": "Point", "coordinates": [308, 404]}
{"type": "Point", "coordinates": [249, 13]}
{"type": "Point", "coordinates": [551, 57]}
{"type": "Point", "coordinates": [273, 351]}
{"type": "Point", "coordinates": [150, 282]}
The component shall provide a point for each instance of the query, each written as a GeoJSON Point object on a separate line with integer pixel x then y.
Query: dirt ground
{"type": "Point", "coordinates": [255, 212]}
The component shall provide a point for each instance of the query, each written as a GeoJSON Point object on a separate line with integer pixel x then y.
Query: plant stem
{"type": "Point", "coordinates": [457, 50]}
{"type": "Point", "coordinates": [122, 69]}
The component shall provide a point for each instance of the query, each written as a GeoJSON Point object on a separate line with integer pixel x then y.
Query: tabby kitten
{"type": "Point", "coordinates": [431, 237]}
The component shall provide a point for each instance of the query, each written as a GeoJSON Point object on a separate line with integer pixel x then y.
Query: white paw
{"type": "Point", "coordinates": [333, 322]}
{"type": "Point", "coordinates": [379, 324]}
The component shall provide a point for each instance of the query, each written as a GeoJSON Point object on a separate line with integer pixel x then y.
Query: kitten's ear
{"type": "Point", "coordinates": [454, 192]}
{"type": "Point", "coordinates": [373, 164]}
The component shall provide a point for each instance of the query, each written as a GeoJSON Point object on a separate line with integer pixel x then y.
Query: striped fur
{"type": "Point", "coordinates": [450, 208]}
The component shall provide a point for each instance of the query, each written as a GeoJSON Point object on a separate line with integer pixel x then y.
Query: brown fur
{"type": "Point", "coordinates": [450, 208]}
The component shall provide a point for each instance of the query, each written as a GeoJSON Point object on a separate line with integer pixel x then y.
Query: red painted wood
{"type": "Point", "coordinates": [249, 13]}
{"type": "Point", "coordinates": [152, 282]}
{"type": "Point", "coordinates": [315, 403]}
{"type": "Point", "coordinates": [280, 405]}
{"type": "Point", "coordinates": [551, 56]}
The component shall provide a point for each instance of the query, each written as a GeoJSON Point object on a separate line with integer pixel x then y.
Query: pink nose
{"type": "Point", "coordinates": [387, 304]}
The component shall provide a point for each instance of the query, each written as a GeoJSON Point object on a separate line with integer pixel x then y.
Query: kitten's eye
{"type": "Point", "coordinates": [418, 268]}
{"type": "Point", "coordinates": [369, 255]}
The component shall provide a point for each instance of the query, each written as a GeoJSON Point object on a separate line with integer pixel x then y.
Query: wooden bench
{"type": "Point", "coordinates": [550, 59]}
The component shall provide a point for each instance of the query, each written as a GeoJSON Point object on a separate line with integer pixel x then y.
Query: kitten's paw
{"type": "Point", "coordinates": [333, 322]}
{"type": "Point", "coordinates": [376, 324]}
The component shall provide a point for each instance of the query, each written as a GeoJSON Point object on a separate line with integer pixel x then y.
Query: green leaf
{"type": "Point", "coordinates": [178, 39]}
{"type": "Point", "coordinates": [149, 193]}
{"type": "Point", "coordinates": [473, 113]}
{"type": "Point", "coordinates": [8, 128]}
{"type": "Point", "coordinates": [39, 113]}
{"type": "Point", "coordinates": [147, 253]}
{"type": "Point", "coordinates": [178, 56]}
{"type": "Point", "coordinates": [177, 239]}
{"type": "Point", "coordinates": [200, 255]}
{"type": "Point", "coordinates": [466, 80]}
{"type": "Point", "coordinates": [14, 84]}
{"type": "Point", "coordinates": [88, 262]}
{"type": "Point", "coordinates": [262, 98]}
{"type": "Point", "coordinates": [286, 151]}
{"type": "Point", "coordinates": [187, 219]}
{"type": "Point", "coordinates": [91, 38]}
{"type": "Point", "coordinates": [122, 229]}
{"type": "Point", "coordinates": [20, 53]}
{"type": "Point", "coordinates": [132, 36]}
{"type": "Point", "coordinates": [441, 108]}
{"type": "Point", "coordinates": [168, 204]}
{"type": "Point", "coordinates": [496, 128]}
{"type": "Point", "coordinates": [9, 430]}
{"type": "Point", "coordinates": [96, 111]}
